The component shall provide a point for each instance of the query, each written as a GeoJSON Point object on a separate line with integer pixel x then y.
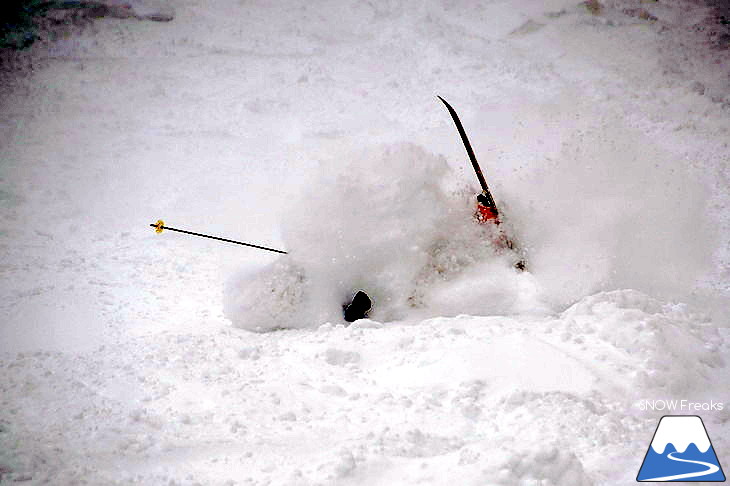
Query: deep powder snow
{"type": "Point", "coordinates": [127, 357]}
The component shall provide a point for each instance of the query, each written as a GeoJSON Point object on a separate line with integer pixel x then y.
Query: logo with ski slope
{"type": "Point", "coordinates": [681, 451]}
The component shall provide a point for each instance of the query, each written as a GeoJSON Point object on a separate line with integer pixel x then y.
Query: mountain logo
{"type": "Point", "coordinates": [681, 451]}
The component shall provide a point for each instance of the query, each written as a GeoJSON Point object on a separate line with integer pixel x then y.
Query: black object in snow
{"type": "Point", "coordinates": [358, 308]}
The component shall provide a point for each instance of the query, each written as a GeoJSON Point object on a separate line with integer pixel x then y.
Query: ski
{"type": "Point", "coordinates": [486, 207]}
{"type": "Point", "coordinates": [485, 197]}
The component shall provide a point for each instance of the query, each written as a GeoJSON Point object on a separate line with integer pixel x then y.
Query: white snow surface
{"type": "Point", "coordinates": [128, 357]}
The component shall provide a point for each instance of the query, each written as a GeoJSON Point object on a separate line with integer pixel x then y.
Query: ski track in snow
{"type": "Point", "coordinates": [117, 365]}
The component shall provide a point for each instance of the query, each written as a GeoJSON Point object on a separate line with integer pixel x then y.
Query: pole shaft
{"type": "Point", "coordinates": [220, 239]}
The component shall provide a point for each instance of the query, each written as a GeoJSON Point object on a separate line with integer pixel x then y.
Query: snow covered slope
{"type": "Point", "coordinates": [605, 141]}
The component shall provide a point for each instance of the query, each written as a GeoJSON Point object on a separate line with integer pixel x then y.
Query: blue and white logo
{"type": "Point", "coordinates": [681, 451]}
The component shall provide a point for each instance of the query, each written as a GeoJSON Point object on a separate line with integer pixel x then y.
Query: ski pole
{"type": "Point", "coordinates": [160, 225]}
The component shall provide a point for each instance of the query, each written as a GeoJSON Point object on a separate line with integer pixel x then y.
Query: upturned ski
{"type": "Point", "coordinates": [486, 210]}
{"type": "Point", "coordinates": [484, 199]}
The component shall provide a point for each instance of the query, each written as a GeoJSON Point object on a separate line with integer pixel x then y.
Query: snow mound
{"type": "Point", "coordinates": [273, 298]}
{"type": "Point", "coordinates": [391, 221]}
{"type": "Point", "coordinates": [669, 348]}
{"type": "Point", "coordinates": [546, 464]}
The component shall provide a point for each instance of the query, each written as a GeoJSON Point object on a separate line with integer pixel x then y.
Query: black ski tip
{"type": "Point", "coordinates": [452, 112]}
{"type": "Point", "coordinates": [358, 308]}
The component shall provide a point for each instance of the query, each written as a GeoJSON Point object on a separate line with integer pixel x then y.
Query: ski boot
{"type": "Point", "coordinates": [358, 308]}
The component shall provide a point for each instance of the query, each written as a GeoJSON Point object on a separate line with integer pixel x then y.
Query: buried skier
{"type": "Point", "coordinates": [485, 213]}
{"type": "Point", "coordinates": [359, 239]}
